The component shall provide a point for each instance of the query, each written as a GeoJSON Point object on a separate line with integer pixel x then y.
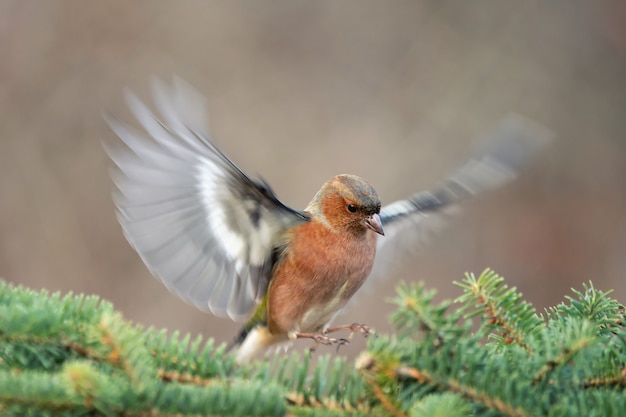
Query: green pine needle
{"type": "Point", "coordinates": [488, 354]}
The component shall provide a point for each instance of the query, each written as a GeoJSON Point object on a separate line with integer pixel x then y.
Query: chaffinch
{"type": "Point", "coordinates": [223, 242]}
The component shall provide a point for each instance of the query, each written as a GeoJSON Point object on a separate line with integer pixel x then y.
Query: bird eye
{"type": "Point", "coordinates": [351, 208]}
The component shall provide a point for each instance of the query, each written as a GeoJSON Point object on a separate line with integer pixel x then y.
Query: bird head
{"type": "Point", "coordinates": [347, 203]}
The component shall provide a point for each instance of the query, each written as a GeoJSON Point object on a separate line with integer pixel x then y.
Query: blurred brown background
{"type": "Point", "coordinates": [397, 92]}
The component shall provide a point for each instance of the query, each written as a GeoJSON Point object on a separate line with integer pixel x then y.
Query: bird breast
{"type": "Point", "coordinates": [320, 272]}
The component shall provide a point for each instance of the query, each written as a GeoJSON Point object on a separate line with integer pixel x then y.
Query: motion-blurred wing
{"type": "Point", "coordinates": [504, 152]}
{"type": "Point", "coordinates": [199, 223]}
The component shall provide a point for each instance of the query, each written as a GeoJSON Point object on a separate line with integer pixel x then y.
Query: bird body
{"type": "Point", "coordinates": [225, 243]}
{"type": "Point", "coordinates": [317, 276]}
{"type": "Point", "coordinates": [321, 264]}
{"type": "Point", "coordinates": [319, 273]}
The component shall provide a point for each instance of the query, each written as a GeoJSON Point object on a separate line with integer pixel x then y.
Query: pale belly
{"type": "Point", "coordinates": [319, 317]}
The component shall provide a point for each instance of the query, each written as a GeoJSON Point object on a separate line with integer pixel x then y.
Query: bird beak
{"type": "Point", "coordinates": [373, 223]}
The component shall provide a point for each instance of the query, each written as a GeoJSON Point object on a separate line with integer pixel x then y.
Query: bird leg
{"type": "Point", "coordinates": [321, 339]}
{"type": "Point", "coordinates": [354, 327]}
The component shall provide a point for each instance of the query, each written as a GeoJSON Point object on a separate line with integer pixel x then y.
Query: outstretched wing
{"type": "Point", "coordinates": [199, 223]}
{"type": "Point", "coordinates": [504, 152]}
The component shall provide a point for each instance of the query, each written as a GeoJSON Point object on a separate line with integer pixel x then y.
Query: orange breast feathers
{"type": "Point", "coordinates": [321, 271]}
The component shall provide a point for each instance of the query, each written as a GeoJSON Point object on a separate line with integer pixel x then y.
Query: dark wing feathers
{"type": "Point", "coordinates": [212, 234]}
{"type": "Point", "coordinates": [497, 161]}
{"type": "Point", "coordinates": [200, 224]}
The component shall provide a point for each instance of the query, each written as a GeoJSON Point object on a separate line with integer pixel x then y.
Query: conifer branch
{"type": "Point", "coordinates": [75, 356]}
{"type": "Point", "coordinates": [465, 391]}
{"type": "Point", "coordinates": [369, 367]}
{"type": "Point", "coordinates": [501, 306]}
{"type": "Point", "coordinates": [618, 380]}
{"type": "Point", "coordinates": [573, 347]}
{"type": "Point", "coordinates": [385, 401]}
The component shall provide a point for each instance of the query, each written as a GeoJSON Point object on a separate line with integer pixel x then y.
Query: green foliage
{"type": "Point", "coordinates": [516, 363]}
{"type": "Point", "coordinates": [441, 405]}
{"type": "Point", "coordinates": [487, 354]}
{"type": "Point", "coordinates": [508, 317]}
{"type": "Point", "coordinates": [75, 356]}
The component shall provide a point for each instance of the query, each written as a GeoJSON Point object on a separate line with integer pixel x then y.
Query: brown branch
{"type": "Point", "coordinates": [470, 393]}
{"type": "Point", "coordinates": [509, 333]}
{"type": "Point", "coordinates": [367, 365]}
{"type": "Point", "coordinates": [610, 381]}
{"type": "Point", "coordinates": [566, 355]}
{"type": "Point", "coordinates": [183, 378]}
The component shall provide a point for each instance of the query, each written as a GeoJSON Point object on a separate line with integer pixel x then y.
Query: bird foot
{"type": "Point", "coordinates": [354, 327]}
{"type": "Point", "coordinates": [322, 339]}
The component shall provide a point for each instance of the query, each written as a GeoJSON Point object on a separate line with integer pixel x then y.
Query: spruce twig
{"type": "Point", "coordinates": [75, 356]}
{"type": "Point", "coordinates": [501, 306]}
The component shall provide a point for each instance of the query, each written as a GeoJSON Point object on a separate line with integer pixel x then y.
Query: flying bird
{"type": "Point", "coordinates": [224, 242]}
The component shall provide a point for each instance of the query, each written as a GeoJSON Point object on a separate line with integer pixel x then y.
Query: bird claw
{"type": "Point", "coordinates": [363, 328]}
{"type": "Point", "coordinates": [340, 343]}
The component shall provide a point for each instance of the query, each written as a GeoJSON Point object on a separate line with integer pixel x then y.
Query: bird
{"type": "Point", "coordinates": [223, 241]}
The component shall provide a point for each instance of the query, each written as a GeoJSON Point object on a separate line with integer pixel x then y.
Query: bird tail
{"type": "Point", "coordinates": [241, 336]}
{"type": "Point", "coordinates": [254, 341]}
{"type": "Point", "coordinates": [258, 319]}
